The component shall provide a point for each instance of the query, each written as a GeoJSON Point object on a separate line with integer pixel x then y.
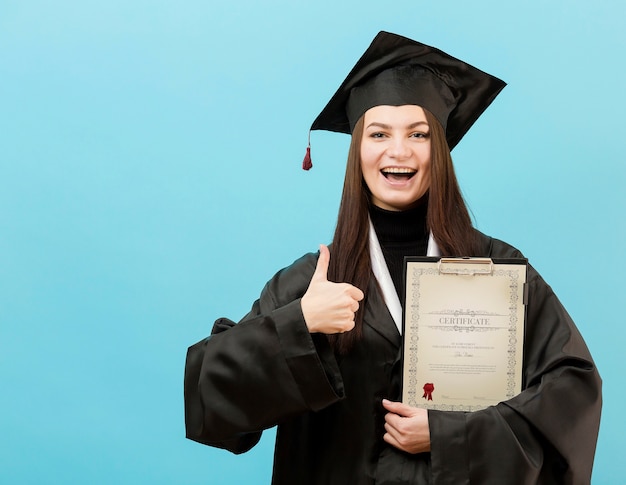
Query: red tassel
{"type": "Point", "coordinates": [307, 163]}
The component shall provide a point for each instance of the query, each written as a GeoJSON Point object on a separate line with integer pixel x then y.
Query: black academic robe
{"type": "Point", "coordinates": [268, 370]}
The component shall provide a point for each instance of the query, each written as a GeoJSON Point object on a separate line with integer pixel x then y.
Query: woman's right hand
{"type": "Point", "coordinates": [329, 307]}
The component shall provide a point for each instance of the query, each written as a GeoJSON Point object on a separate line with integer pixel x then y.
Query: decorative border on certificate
{"type": "Point", "coordinates": [463, 334]}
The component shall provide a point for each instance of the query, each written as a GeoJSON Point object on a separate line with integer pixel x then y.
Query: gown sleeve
{"type": "Point", "coordinates": [250, 376]}
{"type": "Point", "coordinates": [545, 435]}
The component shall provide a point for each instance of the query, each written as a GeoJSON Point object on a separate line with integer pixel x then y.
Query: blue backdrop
{"type": "Point", "coordinates": [150, 182]}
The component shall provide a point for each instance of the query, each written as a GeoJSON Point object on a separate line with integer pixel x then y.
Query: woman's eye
{"type": "Point", "coordinates": [377, 135]}
{"type": "Point", "coordinates": [419, 135]}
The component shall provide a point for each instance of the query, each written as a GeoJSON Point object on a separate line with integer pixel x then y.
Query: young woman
{"type": "Point", "coordinates": [319, 353]}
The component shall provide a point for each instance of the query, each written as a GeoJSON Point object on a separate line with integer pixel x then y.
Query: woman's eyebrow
{"type": "Point", "coordinates": [385, 126]}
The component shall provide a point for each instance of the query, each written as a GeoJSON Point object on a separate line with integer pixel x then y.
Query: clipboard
{"type": "Point", "coordinates": [463, 331]}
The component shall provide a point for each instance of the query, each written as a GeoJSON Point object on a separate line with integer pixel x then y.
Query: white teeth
{"type": "Point", "coordinates": [398, 170]}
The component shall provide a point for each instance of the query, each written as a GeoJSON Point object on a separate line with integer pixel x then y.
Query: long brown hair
{"type": "Point", "coordinates": [448, 219]}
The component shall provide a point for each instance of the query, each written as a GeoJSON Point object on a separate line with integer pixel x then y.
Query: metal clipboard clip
{"type": "Point", "coordinates": [466, 266]}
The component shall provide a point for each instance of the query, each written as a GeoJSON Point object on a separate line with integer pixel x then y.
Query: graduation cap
{"type": "Point", "coordinates": [396, 71]}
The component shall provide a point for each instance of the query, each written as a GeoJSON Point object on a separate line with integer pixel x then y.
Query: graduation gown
{"type": "Point", "coordinates": [268, 370]}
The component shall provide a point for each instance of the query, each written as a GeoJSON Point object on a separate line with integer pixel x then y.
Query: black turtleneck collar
{"type": "Point", "coordinates": [398, 226]}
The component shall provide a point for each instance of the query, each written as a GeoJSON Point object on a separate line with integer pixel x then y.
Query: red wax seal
{"type": "Point", "coordinates": [429, 387]}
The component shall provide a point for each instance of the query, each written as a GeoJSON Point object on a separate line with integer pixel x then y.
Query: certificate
{"type": "Point", "coordinates": [463, 332]}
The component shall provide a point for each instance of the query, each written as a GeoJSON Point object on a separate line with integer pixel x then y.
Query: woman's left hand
{"type": "Point", "coordinates": [406, 427]}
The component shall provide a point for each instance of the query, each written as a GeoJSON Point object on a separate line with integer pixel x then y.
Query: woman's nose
{"type": "Point", "coordinates": [399, 148]}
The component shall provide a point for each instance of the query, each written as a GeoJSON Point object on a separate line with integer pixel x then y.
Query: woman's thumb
{"type": "Point", "coordinates": [321, 270]}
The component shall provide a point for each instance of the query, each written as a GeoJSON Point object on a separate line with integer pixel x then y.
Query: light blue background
{"type": "Point", "coordinates": [150, 182]}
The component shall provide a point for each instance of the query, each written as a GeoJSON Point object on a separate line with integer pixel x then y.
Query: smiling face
{"type": "Point", "coordinates": [395, 155]}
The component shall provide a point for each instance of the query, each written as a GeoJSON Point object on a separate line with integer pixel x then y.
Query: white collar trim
{"type": "Point", "coordinates": [381, 272]}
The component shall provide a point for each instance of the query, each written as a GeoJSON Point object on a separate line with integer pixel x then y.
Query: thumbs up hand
{"type": "Point", "coordinates": [329, 307]}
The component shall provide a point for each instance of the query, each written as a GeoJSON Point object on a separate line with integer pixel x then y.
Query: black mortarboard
{"type": "Point", "coordinates": [395, 70]}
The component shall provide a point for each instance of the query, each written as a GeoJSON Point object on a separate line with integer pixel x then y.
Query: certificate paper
{"type": "Point", "coordinates": [463, 335]}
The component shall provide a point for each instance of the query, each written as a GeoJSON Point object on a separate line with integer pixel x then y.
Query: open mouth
{"type": "Point", "coordinates": [398, 173]}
